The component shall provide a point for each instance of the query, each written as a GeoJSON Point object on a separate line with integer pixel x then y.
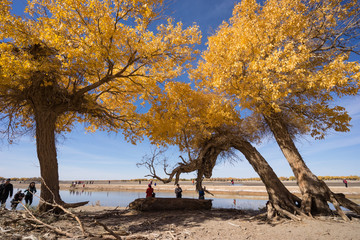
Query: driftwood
{"type": "Point", "coordinates": [75, 205]}
{"type": "Point", "coordinates": [108, 230]}
{"type": "Point", "coordinates": [162, 204]}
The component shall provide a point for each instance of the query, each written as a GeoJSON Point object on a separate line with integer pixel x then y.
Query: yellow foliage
{"type": "Point", "coordinates": [99, 55]}
{"type": "Point", "coordinates": [282, 58]}
{"type": "Point", "coordinates": [183, 116]}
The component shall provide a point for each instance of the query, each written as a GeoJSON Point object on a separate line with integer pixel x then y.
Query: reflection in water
{"type": "Point", "coordinates": [76, 192]}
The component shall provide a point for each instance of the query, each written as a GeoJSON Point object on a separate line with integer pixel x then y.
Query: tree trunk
{"type": "Point", "coordinates": [46, 151]}
{"type": "Point", "coordinates": [315, 192]}
{"type": "Point", "coordinates": [281, 201]}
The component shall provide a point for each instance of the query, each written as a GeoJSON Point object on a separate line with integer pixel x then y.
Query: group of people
{"type": "Point", "coordinates": [6, 190]}
{"type": "Point", "coordinates": [178, 191]}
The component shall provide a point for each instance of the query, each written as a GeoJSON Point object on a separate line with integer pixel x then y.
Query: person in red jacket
{"type": "Point", "coordinates": [150, 191]}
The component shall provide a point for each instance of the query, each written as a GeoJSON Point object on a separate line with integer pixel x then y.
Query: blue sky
{"type": "Point", "coordinates": [107, 156]}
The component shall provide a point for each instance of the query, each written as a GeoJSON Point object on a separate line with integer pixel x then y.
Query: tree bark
{"type": "Point", "coordinates": [281, 201]}
{"type": "Point", "coordinates": [315, 193]}
{"type": "Point", "coordinates": [46, 151]}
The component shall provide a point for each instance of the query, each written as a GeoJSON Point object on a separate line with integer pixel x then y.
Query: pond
{"type": "Point", "coordinates": [123, 198]}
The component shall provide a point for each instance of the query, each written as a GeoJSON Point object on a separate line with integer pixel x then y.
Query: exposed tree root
{"type": "Point", "coordinates": [285, 213]}
{"type": "Point", "coordinates": [343, 201]}
{"type": "Point", "coordinates": [317, 203]}
{"type": "Point", "coordinates": [56, 207]}
{"type": "Point", "coordinates": [315, 193]}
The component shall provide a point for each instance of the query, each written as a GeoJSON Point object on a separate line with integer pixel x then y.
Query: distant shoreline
{"type": "Point", "coordinates": [253, 188]}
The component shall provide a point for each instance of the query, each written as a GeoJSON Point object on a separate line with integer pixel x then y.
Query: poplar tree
{"type": "Point", "coordinates": [287, 62]}
{"type": "Point", "coordinates": [92, 62]}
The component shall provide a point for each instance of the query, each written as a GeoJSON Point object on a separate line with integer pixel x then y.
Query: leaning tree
{"type": "Point", "coordinates": [83, 61]}
{"type": "Point", "coordinates": [287, 62]}
{"type": "Point", "coordinates": [204, 135]}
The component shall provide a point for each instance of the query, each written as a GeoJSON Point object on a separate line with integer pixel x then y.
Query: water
{"type": "Point", "coordinates": [123, 198]}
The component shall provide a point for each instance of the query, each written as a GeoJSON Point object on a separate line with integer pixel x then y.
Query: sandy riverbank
{"type": "Point", "coordinates": [222, 188]}
{"type": "Point", "coordinates": [205, 224]}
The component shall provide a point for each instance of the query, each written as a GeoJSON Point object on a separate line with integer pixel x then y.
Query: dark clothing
{"type": "Point", "coordinates": [16, 200]}
{"type": "Point", "coordinates": [29, 195]}
{"type": "Point", "coordinates": [5, 191]}
{"type": "Point", "coordinates": [201, 194]}
{"type": "Point", "coordinates": [178, 192]}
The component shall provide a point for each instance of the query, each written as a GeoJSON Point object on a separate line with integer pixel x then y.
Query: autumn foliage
{"type": "Point", "coordinates": [93, 62]}
{"type": "Point", "coordinates": [288, 57]}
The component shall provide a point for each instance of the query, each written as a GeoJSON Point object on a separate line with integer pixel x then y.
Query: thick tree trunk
{"type": "Point", "coordinates": [281, 201]}
{"type": "Point", "coordinates": [315, 193]}
{"type": "Point", "coordinates": [46, 151]}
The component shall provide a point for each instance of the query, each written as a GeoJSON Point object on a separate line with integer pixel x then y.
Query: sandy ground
{"type": "Point", "coordinates": [208, 224]}
{"type": "Point", "coordinates": [220, 224]}
{"type": "Point", "coordinates": [211, 224]}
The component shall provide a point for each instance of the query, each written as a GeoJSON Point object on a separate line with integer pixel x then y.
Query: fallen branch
{"type": "Point", "coordinates": [54, 204]}
{"type": "Point", "coordinates": [108, 230]}
{"type": "Point", "coordinates": [55, 229]}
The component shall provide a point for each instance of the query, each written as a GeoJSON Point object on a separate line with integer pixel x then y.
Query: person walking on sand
{"type": "Point", "coordinates": [6, 189]}
{"type": "Point", "coordinates": [202, 193]}
{"type": "Point", "coordinates": [178, 191]}
{"type": "Point", "coordinates": [150, 191]}
{"type": "Point", "coordinates": [345, 182]}
{"type": "Point", "coordinates": [29, 192]}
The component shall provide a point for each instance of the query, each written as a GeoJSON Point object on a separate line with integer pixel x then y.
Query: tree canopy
{"type": "Point", "coordinates": [99, 58]}
{"type": "Point", "coordinates": [287, 57]}
{"type": "Point", "coordinates": [287, 62]}
{"type": "Point", "coordinates": [84, 61]}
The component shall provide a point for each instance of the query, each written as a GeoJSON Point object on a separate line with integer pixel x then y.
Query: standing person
{"type": "Point", "coordinates": [150, 191]}
{"type": "Point", "coordinates": [178, 191]}
{"type": "Point", "coordinates": [17, 199]}
{"type": "Point", "coordinates": [30, 191]}
{"type": "Point", "coordinates": [202, 193]}
{"type": "Point", "coordinates": [345, 182]}
{"type": "Point", "coordinates": [6, 189]}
